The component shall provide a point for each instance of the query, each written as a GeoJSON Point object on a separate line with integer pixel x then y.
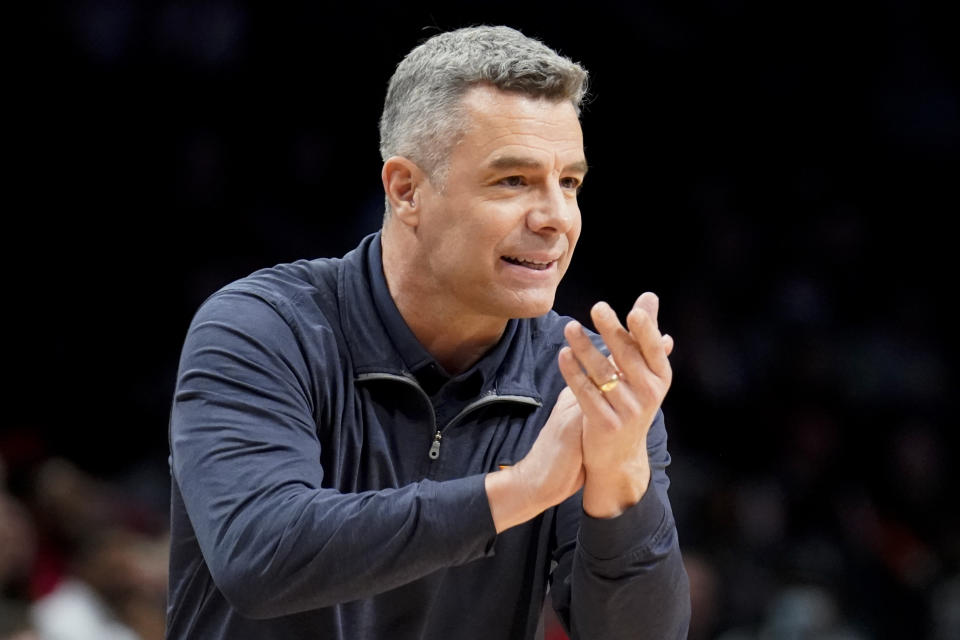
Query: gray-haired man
{"type": "Point", "coordinates": [398, 443]}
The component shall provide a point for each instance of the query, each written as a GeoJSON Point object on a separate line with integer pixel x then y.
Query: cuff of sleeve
{"type": "Point", "coordinates": [634, 530]}
{"type": "Point", "coordinates": [462, 513]}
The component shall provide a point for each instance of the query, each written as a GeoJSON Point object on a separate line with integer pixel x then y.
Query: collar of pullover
{"type": "Point", "coordinates": [381, 342]}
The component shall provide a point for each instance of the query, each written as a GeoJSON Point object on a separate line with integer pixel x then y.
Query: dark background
{"type": "Point", "coordinates": [783, 175]}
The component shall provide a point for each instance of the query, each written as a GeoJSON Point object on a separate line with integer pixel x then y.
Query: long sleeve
{"type": "Point", "coordinates": [623, 577]}
{"type": "Point", "coordinates": [246, 457]}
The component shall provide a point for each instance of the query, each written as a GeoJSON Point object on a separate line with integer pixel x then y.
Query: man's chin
{"type": "Point", "coordinates": [533, 308]}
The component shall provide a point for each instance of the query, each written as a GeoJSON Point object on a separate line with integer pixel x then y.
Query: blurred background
{"type": "Point", "coordinates": [783, 175]}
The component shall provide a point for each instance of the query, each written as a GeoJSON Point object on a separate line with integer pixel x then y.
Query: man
{"type": "Point", "coordinates": [393, 444]}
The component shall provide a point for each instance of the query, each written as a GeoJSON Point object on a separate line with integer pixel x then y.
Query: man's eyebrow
{"type": "Point", "coordinates": [522, 162]}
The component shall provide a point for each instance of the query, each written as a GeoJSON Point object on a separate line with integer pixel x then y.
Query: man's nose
{"type": "Point", "coordinates": [553, 211]}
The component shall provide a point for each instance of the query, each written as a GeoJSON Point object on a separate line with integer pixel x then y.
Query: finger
{"type": "Point", "coordinates": [644, 385]}
{"type": "Point", "coordinates": [667, 341]}
{"type": "Point", "coordinates": [597, 367]}
{"type": "Point", "coordinates": [649, 302]}
{"type": "Point", "coordinates": [566, 399]}
{"type": "Point", "coordinates": [623, 347]}
{"type": "Point", "coordinates": [644, 331]}
{"type": "Point", "coordinates": [591, 400]}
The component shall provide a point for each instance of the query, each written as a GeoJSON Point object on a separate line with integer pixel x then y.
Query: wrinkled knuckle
{"type": "Point", "coordinates": [646, 395]}
{"type": "Point", "coordinates": [610, 425]}
{"type": "Point", "coordinates": [634, 408]}
{"type": "Point", "coordinates": [586, 385]}
{"type": "Point", "coordinates": [638, 364]}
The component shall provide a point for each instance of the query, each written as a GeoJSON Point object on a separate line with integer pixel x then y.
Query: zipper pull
{"type": "Point", "coordinates": [435, 446]}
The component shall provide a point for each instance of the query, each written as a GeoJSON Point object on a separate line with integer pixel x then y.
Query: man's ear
{"type": "Point", "coordinates": [401, 178]}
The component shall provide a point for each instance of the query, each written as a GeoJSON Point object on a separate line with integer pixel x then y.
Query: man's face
{"type": "Point", "coordinates": [498, 235]}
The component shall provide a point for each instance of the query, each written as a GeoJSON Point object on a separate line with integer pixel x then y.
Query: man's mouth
{"type": "Point", "coordinates": [529, 264]}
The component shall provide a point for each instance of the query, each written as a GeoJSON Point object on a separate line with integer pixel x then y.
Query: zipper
{"type": "Point", "coordinates": [434, 452]}
{"type": "Point", "coordinates": [491, 398]}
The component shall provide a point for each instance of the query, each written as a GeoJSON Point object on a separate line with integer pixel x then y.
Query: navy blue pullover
{"type": "Point", "coordinates": [328, 480]}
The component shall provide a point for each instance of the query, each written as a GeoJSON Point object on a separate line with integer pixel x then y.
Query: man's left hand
{"type": "Point", "coordinates": [616, 421]}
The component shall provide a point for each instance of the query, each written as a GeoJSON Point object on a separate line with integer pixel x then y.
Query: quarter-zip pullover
{"type": "Point", "coordinates": [328, 479]}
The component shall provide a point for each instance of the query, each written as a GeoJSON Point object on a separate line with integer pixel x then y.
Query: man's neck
{"type": "Point", "coordinates": [456, 338]}
{"type": "Point", "coordinates": [456, 350]}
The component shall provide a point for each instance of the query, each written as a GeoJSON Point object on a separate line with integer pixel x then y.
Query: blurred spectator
{"type": "Point", "coordinates": [15, 622]}
{"type": "Point", "coordinates": [16, 560]}
{"type": "Point", "coordinates": [800, 612]}
{"type": "Point", "coordinates": [806, 612]}
{"type": "Point", "coordinates": [115, 591]}
{"type": "Point", "coordinates": [74, 611]}
{"type": "Point", "coordinates": [704, 595]}
{"type": "Point", "coordinates": [946, 610]}
{"type": "Point", "coordinates": [16, 545]}
{"type": "Point", "coordinates": [16, 540]}
{"type": "Point", "coordinates": [112, 568]}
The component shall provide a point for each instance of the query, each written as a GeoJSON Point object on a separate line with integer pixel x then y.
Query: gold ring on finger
{"type": "Point", "coordinates": [610, 383]}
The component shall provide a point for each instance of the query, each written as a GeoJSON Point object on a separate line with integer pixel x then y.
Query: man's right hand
{"type": "Point", "coordinates": [549, 474]}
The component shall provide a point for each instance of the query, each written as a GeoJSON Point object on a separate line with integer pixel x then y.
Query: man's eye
{"type": "Point", "coordinates": [570, 183]}
{"type": "Point", "coordinates": [512, 181]}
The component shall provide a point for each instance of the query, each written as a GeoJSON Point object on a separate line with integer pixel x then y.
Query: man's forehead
{"type": "Point", "coordinates": [505, 160]}
{"type": "Point", "coordinates": [482, 99]}
{"type": "Point", "coordinates": [510, 129]}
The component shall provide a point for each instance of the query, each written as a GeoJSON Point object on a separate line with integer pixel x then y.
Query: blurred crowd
{"type": "Point", "coordinates": [807, 552]}
{"type": "Point", "coordinates": [813, 462]}
{"type": "Point", "coordinates": [80, 559]}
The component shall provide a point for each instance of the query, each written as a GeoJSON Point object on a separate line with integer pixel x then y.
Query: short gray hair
{"type": "Point", "coordinates": [421, 114]}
